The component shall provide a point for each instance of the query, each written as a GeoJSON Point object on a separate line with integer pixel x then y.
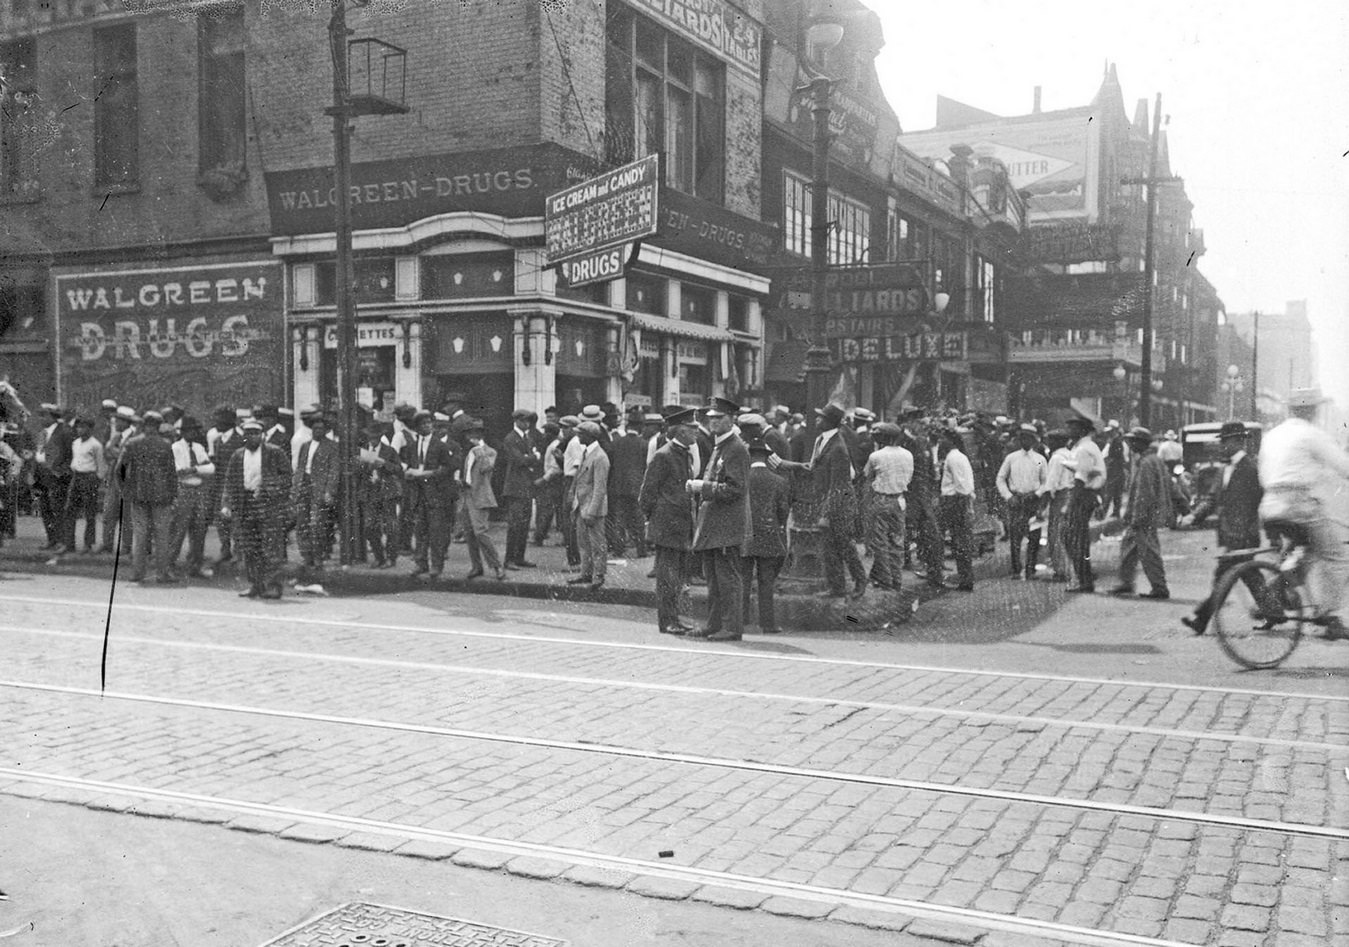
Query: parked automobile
{"type": "Point", "coordinates": [1202, 460]}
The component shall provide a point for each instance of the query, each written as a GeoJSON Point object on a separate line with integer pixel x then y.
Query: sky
{"type": "Point", "coordinates": [1258, 99]}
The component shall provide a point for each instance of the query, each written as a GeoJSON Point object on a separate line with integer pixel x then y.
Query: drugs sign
{"type": "Point", "coordinates": [615, 208]}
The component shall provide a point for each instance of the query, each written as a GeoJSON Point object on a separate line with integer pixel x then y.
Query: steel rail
{"type": "Point", "coordinates": [915, 709]}
{"type": "Point", "coordinates": [816, 893]}
{"type": "Point", "coordinates": [719, 652]}
{"type": "Point", "coordinates": [1202, 818]}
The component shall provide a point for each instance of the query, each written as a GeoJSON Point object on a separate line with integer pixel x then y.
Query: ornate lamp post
{"type": "Point", "coordinates": [381, 70]}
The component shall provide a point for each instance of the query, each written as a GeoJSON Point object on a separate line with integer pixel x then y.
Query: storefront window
{"type": "Point", "coordinates": [468, 274]}
{"type": "Point", "coordinates": [597, 293]}
{"type": "Point", "coordinates": [374, 281]}
{"type": "Point", "coordinates": [646, 293]}
{"type": "Point", "coordinates": [698, 304]}
{"type": "Point", "coordinates": [739, 313]}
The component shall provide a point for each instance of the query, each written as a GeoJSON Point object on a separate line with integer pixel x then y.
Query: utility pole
{"type": "Point", "coordinates": [1255, 366]}
{"type": "Point", "coordinates": [1149, 267]}
{"type": "Point", "coordinates": [346, 322]}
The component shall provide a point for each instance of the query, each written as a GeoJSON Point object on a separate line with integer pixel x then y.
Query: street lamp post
{"type": "Point", "coordinates": [1232, 384]}
{"type": "Point", "coordinates": [822, 35]}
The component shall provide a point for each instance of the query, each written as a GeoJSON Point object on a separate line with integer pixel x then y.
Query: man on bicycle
{"type": "Point", "coordinates": [1238, 502]}
{"type": "Point", "coordinates": [1302, 470]}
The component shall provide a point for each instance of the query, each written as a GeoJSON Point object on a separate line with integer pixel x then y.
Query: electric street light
{"type": "Point", "coordinates": [1232, 384]}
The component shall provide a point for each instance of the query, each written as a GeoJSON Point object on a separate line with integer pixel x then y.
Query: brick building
{"type": "Point", "coordinates": [1073, 306]}
{"type": "Point", "coordinates": [923, 227]}
{"type": "Point", "coordinates": [168, 201]}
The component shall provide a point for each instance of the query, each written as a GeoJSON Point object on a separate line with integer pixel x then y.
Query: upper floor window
{"type": "Point", "coordinates": [850, 222]}
{"type": "Point", "coordinates": [665, 97]}
{"type": "Point", "coordinates": [373, 278]}
{"type": "Point", "coordinates": [738, 313]}
{"type": "Point", "coordinates": [18, 106]}
{"type": "Point", "coordinates": [221, 123]}
{"type": "Point", "coordinates": [646, 293]}
{"type": "Point", "coordinates": [698, 303]}
{"type": "Point", "coordinates": [116, 107]}
{"type": "Point", "coordinates": [987, 275]}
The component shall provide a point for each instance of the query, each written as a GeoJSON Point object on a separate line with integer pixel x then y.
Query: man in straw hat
{"type": "Point", "coordinates": [254, 499]}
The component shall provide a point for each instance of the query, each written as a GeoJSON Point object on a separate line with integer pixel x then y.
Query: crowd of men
{"type": "Point", "coordinates": [713, 492]}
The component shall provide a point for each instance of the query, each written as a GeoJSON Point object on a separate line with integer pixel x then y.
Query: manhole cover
{"type": "Point", "coordinates": [374, 925]}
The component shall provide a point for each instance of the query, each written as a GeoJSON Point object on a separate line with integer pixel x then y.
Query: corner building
{"type": "Point", "coordinates": [215, 174]}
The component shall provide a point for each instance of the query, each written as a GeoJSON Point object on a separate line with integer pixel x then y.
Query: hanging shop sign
{"type": "Point", "coordinates": [604, 213]}
{"type": "Point", "coordinates": [512, 182]}
{"type": "Point", "coordinates": [188, 335]}
{"type": "Point", "coordinates": [1073, 242]}
{"type": "Point", "coordinates": [713, 25]}
{"type": "Point", "coordinates": [598, 266]}
{"type": "Point", "coordinates": [942, 346]}
{"type": "Point", "coordinates": [861, 300]}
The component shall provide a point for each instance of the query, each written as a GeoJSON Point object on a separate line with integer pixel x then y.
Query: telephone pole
{"type": "Point", "coordinates": [1149, 267]}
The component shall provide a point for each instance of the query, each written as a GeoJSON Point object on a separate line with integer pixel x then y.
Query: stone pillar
{"type": "Point", "coordinates": [669, 364]}
{"type": "Point", "coordinates": [535, 379]}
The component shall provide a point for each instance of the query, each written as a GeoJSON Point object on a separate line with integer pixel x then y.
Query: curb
{"type": "Point", "coordinates": [919, 930]}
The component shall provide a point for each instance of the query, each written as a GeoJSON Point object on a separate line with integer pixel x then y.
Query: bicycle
{"type": "Point", "coordinates": [1261, 607]}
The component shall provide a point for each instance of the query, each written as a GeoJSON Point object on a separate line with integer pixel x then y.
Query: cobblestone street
{"type": "Point", "coordinates": [958, 791]}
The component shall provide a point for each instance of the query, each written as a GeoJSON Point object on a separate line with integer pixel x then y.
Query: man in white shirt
{"type": "Point", "coordinates": [1020, 478]}
{"type": "Point", "coordinates": [195, 503]}
{"type": "Point", "coordinates": [1088, 467]}
{"type": "Point", "coordinates": [1303, 473]}
{"type": "Point", "coordinates": [888, 470]}
{"type": "Point", "coordinates": [956, 509]}
{"type": "Point", "coordinates": [1054, 493]}
{"type": "Point", "coordinates": [87, 470]}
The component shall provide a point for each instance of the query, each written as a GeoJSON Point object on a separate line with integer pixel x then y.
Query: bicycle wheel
{"type": "Point", "coordinates": [1257, 615]}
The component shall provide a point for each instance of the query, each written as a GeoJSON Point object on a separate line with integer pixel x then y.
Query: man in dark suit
{"type": "Point", "coordinates": [1149, 507]}
{"type": "Point", "coordinates": [52, 474]}
{"type": "Point", "coordinates": [524, 465]}
{"type": "Point", "coordinates": [222, 440]}
{"type": "Point", "coordinates": [627, 466]}
{"type": "Point", "coordinates": [149, 487]}
{"type": "Point", "coordinates": [1238, 502]}
{"type": "Point", "coordinates": [832, 476]}
{"type": "Point", "coordinates": [256, 491]}
{"type": "Point", "coordinates": [428, 465]}
{"type": "Point", "coordinates": [314, 490]}
{"type": "Point", "coordinates": [723, 522]}
{"type": "Point", "coordinates": [379, 487]}
{"type": "Point", "coordinates": [669, 515]}
{"type": "Point", "coordinates": [769, 506]}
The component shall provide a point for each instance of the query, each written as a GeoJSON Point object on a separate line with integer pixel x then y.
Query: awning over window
{"type": "Point", "coordinates": [688, 330]}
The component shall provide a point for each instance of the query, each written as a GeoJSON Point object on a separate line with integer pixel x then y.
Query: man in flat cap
{"type": "Point", "coordinates": [833, 474]}
{"type": "Point", "coordinates": [1088, 467]}
{"type": "Point", "coordinates": [149, 487]}
{"type": "Point", "coordinates": [723, 522]}
{"type": "Point", "coordinates": [886, 476]}
{"type": "Point", "coordinates": [524, 465]}
{"type": "Point", "coordinates": [254, 498]}
{"type": "Point", "coordinates": [1019, 480]}
{"type": "Point", "coordinates": [669, 512]}
{"type": "Point", "coordinates": [1149, 507]}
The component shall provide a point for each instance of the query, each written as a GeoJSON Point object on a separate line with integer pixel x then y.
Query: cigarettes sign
{"type": "Point", "coordinates": [615, 208]}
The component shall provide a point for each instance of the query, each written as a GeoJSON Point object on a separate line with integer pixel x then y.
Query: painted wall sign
{"type": "Point", "coordinates": [193, 335]}
{"type": "Point", "coordinates": [608, 210]}
{"type": "Point", "coordinates": [506, 181]}
{"type": "Point", "coordinates": [711, 232]}
{"type": "Point", "coordinates": [714, 25]}
{"type": "Point", "coordinates": [1071, 242]}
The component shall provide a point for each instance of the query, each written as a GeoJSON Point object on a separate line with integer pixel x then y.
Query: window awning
{"type": "Point", "coordinates": [688, 330]}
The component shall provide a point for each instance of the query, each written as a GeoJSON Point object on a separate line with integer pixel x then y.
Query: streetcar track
{"type": "Point", "coordinates": [1163, 732]}
{"type": "Point", "coordinates": [1123, 809]}
{"type": "Point", "coordinates": [817, 893]}
{"type": "Point", "coordinates": [718, 652]}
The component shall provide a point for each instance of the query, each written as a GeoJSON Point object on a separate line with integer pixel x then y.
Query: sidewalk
{"type": "Point", "coordinates": [626, 583]}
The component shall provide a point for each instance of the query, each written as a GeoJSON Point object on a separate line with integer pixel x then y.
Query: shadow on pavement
{"type": "Point", "coordinates": [1119, 648]}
